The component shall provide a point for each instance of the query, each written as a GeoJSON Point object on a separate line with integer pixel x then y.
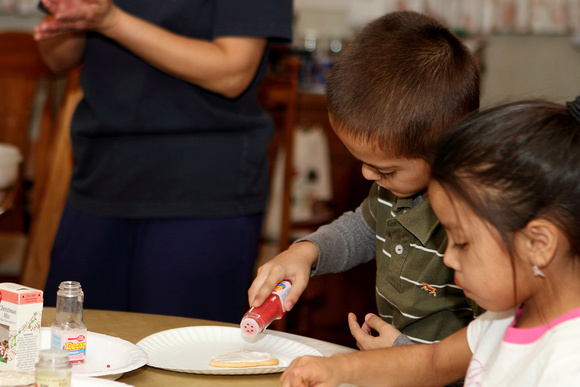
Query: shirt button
{"type": "Point", "coordinates": [399, 249]}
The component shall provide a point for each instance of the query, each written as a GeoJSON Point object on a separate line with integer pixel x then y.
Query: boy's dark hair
{"type": "Point", "coordinates": [402, 83]}
{"type": "Point", "coordinates": [515, 163]}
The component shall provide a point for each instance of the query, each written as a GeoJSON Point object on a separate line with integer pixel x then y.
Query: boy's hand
{"type": "Point", "coordinates": [313, 371]}
{"type": "Point", "coordinates": [293, 265]}
{"type": "Point", "coordinates": [363, 334]}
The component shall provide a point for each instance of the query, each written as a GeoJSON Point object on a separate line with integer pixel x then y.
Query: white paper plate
{"type": "Point", "coordinates": [107, 356]}
{"type": "Point", "coordinates": [190, 349]}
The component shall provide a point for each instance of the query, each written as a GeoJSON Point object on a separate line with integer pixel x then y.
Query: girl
{"type": "Point", "coordinates": [505, 186]}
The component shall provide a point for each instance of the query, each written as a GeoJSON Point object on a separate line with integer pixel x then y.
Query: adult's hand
{"type": "Point", "coordinates": [76, 15]}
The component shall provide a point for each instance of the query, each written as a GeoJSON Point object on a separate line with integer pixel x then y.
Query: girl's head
{"type": "Point", "coordinates": [510, 172]}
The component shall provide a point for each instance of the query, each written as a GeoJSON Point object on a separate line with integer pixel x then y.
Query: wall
{"type": "Point", "coordinates": [13, 22]}
{"type": "Point", "coordinates": [530, 66]}
{"type": "Point", "coordinates": [516, 65]}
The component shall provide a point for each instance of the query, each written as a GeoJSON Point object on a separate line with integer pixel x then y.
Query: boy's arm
{"type": "Point", "coordinates": [343, 244]}
{"type": "Point", "coordinates": [339, 246]}
{"type": "Point", "coordinates": [415, 365]}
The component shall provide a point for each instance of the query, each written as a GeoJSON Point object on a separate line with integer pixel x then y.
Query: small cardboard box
{"type": "Point", "coordinates": [20, 315]}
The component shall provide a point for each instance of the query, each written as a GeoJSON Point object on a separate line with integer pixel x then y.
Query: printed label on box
{"type": "Point", "coordinates": [20, 318]}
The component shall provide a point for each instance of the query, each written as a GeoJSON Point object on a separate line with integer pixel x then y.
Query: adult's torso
{"type": "Point", "coordinates": [150, 145]}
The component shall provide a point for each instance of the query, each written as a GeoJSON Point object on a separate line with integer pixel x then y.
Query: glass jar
{"type": "Point", "coordinates": [69, 331]}
{"type": "Point", "coordinates": [53, 369]}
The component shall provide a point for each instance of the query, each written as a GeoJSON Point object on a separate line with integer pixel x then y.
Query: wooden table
{"type": "Point", "coordinates": [135, 326]}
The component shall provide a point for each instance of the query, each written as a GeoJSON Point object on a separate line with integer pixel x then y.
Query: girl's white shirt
{"type": "Point", "coordinates": [503, 355]}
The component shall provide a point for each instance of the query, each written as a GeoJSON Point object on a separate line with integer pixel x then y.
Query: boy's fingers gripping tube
{"type": "Point", "coordinates": [258, 318]}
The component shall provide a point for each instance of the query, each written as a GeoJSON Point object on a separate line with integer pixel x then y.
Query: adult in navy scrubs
{"type": "Point", "coordinates": [169, 187]}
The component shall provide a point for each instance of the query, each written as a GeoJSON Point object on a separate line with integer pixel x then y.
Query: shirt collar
{"type": "Point", "coordinates": [419, 219]}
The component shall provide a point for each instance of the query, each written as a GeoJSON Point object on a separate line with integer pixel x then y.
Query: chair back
{"type": "Point", "coordinates": [22, 73]}
{"type": "Point", "coordinates": [59, 168]}
{"type": "Point", "coordinates": [278, 94]}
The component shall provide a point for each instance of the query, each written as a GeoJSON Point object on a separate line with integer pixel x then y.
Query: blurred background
{"type": "Point", "coordinates": [530, 48]}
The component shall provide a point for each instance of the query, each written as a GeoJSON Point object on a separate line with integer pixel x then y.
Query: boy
{"type": "Point", "coordinates": [402, 83]}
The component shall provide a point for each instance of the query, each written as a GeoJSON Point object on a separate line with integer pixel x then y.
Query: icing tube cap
{"type": "Point", "coordinates": [250, 327]}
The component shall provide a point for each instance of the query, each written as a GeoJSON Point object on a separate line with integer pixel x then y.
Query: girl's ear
{"type": "Point", "coordinates": [540, 241]}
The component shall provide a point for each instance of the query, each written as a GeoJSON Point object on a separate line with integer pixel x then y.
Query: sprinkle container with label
{"type": "Point", "coordinates": [258, 318]}
{"type": "Point", "coordinates": [69, 332]}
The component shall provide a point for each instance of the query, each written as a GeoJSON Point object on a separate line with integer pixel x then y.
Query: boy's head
{"type": "Point", "coordinates": [400, 84]}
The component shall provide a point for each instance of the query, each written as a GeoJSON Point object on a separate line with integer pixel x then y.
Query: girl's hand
{"type": "Point", "coordinates": [76, 15]}
{"type": "Point", "coordinates": [387, 334]}
{"type": "Point", "coordinates": [313, 371]}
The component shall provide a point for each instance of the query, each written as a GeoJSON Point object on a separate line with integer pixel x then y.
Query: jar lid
{"type": "Point", "coordinates": [55, 357]}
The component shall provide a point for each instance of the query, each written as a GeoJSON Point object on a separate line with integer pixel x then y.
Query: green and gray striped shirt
{"type": "Point", "coordinates": [415, 291]}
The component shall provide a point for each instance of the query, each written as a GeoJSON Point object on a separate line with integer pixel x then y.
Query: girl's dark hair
{"type": "Point", "coordinates": [403, 81]}
{"type": "Point", "coordinates": [515, 163]}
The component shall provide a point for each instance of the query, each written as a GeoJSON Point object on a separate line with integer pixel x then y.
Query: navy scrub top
{"type": "Point", "coordinates": [148, 145]}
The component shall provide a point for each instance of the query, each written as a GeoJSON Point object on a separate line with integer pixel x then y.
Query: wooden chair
{"type": "Point", "coordinates": [59, 169]}
{"type": "Point", "coordinates": [278, 93]}
{"type": "Point", "coordinates": [21, 72]}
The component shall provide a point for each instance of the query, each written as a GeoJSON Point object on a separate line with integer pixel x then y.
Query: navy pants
{"type": "Point", "coordinates": [199, 268]}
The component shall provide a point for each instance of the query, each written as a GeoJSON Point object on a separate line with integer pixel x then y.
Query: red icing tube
{"type": "Point", "coordinates": [258, 318]}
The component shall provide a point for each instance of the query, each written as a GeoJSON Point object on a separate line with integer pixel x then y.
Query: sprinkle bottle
{"type": "Point", "coordinates": [69, 332]}
{"type": "Point", "coordinates": [258, 318]}
{"type": "Point", "coordinates": [53, 369]}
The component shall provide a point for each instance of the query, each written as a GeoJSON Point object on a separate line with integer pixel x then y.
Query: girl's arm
{"type": "Point", "coordinates": [225, 65]}
{"type": "Point", "coordinates": [415, 365]}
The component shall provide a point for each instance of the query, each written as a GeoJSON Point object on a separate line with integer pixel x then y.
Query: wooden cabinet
{"type": "Point", "coordinates": [349, 186]}
{"type": "Point", "coordinates": [323, 308]}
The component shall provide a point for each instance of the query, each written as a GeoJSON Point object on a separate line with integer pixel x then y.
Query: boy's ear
{"type": "Point", "coordinates": [540, 242]}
